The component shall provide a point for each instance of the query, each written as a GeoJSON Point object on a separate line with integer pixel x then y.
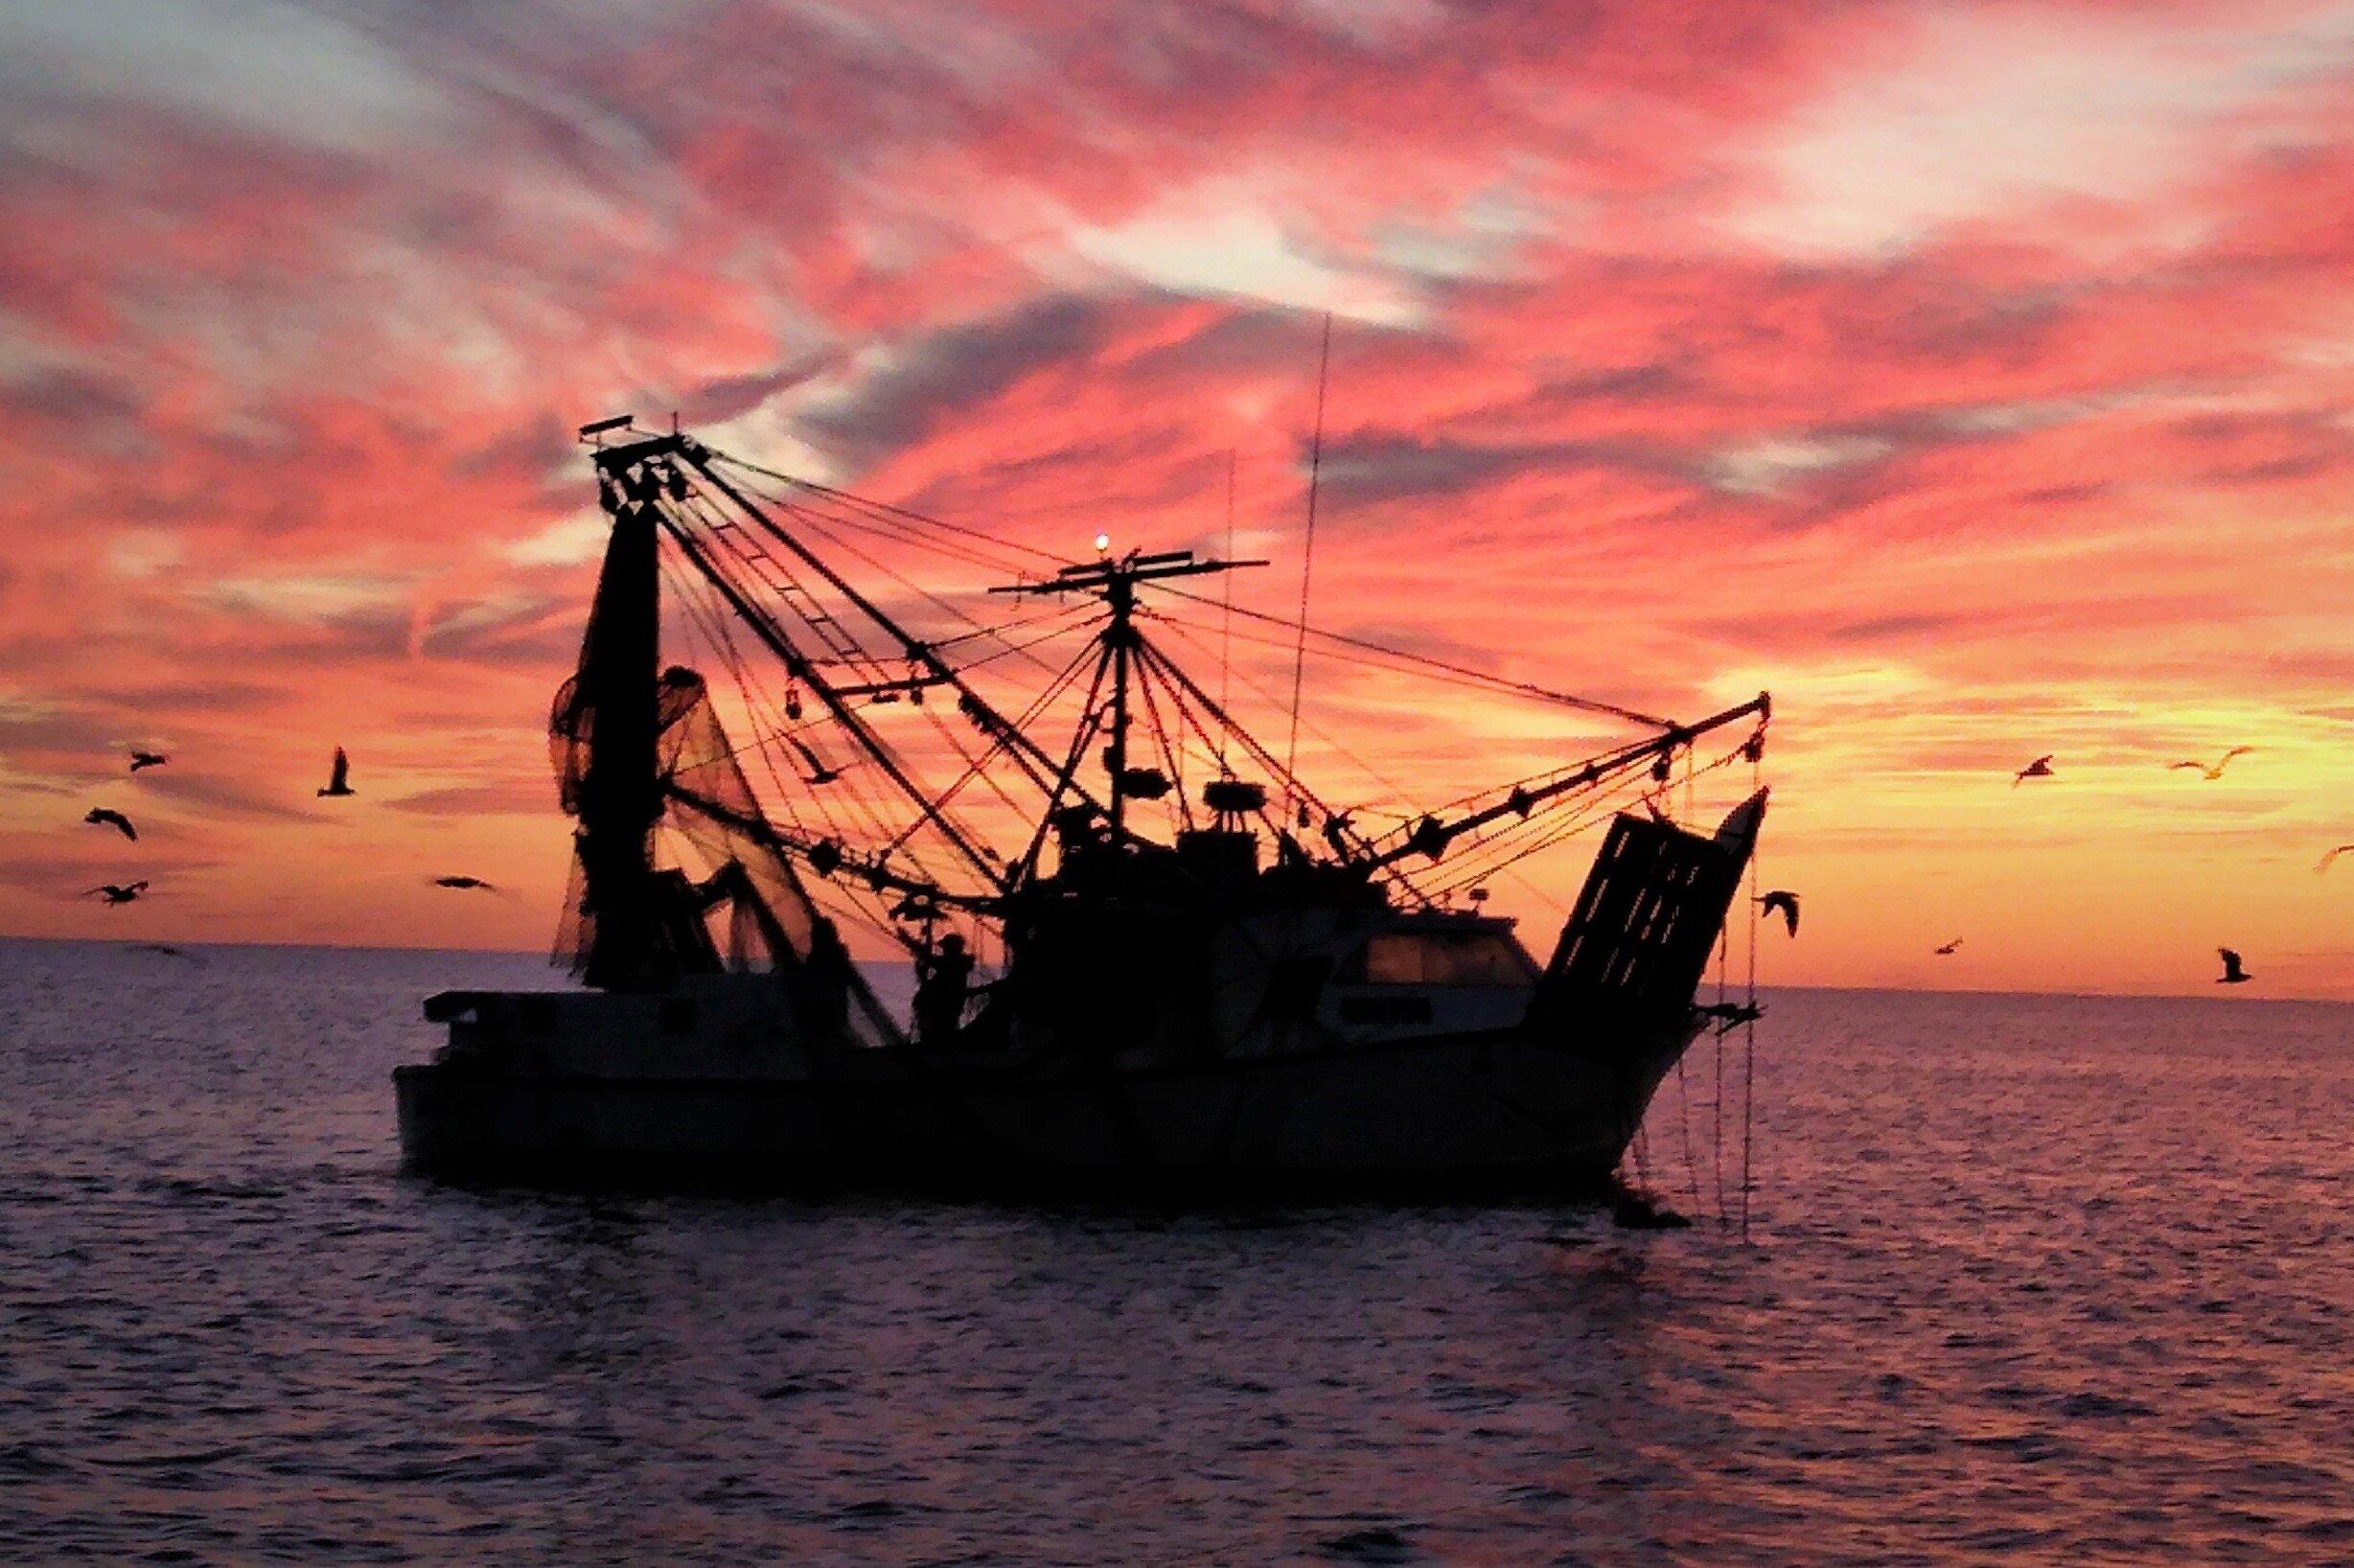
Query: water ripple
{"type": "Point", "coordinates": [2032, 1278]}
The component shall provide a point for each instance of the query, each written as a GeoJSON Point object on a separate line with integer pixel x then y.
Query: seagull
{"type": "Point", "coordinates": [1951, 948]}
{"type": "Point", "coordinates": [2210, 775]}
{"type": "Point", "coordinates": [104, 817]}
{"type": "Point", "coordinates": [818, 771]}
{"type": "Point", "coordinates": [1783, 899]}
{"type": "Point", "coordinates": [1731, 1015]}
{"type": "Point", "coordinates": [2040, 768]}
{"type": "Point", "coordinates": [147, 759]}
{"type": "Point", "coordinates": [115, 893]}
{"type": "Point", "coordinates": [2234, 974]}
{"type": "Point", "coordinates": [463, 882]}
{"type": "Point", "coordinates": [2342, 849]}
{"type": "Point", "coordinates": [340, 783]}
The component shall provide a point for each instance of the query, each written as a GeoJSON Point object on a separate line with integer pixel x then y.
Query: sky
{"type": "Point", "coordinates": [1975, 377]}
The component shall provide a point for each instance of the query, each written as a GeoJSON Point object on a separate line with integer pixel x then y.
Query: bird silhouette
{"type": "Point", "coordinates": [2040, 768]}
{"type": "Point", "coordinates": [2323, 864]}
{"type": "Point", "coordinates": [2234, 974]}
{"type": "Point", "coordinates": [1951, 948]}
{"type": "Point", "coordinates": [463, 882]}
{"type": "Point", "coordinates": [339, 780]}
{"type": "Point", "coordinates": [818, 772]}
{"type": "Point", "coordinates": [117, 894]}
{"type": "Point", "coordinates": [107, 817]}
{"type": "Point", "coordinates": [1784, 900]}
{"type": "Point", "coordinates": [1731, 1015]}
{"type": "Point", "coordinates": [147, 759]}
{"type": "Point", "coordinates": [2221, 763]}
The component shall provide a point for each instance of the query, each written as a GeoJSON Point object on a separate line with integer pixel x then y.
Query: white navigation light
{"type": "Point", "coordinates": [1103, 544]}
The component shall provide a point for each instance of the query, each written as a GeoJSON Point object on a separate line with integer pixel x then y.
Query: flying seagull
{"type": "Point", "coordinates": [115, 893]}
{"type": "Point", "coordinates": [463, 882]}
{"type": "Point", "coordinates": [818, 771]}
{"type": "Point", "coordinates": [147, 759]}
{"type": "Point", "coordinates": [2234, 974]}
{"type": "Point", "coordinates": [2040, 768]}
{"type": "Point", "coordinates": [1783, 899]}
{"type": "Point", "coordinates": [106, 816]}
{"type": "Point", "coordinates": [2221, 763]}
{"type": "Point", "coordinates": [339, 781]}
{"type": "Point", "coordinates": [2342, 849]}
{"type": "Point", "coordinates": [1951, 948]}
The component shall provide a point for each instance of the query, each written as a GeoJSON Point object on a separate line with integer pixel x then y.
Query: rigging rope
{"type": "Point", "coordinates": [1748, 1066]}
{"type": "Point", "coordinates": [1465, 673]}
{"type": "Point", "coordinates": [902, 512]}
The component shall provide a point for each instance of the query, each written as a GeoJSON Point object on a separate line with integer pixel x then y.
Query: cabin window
{"type": "Point", "coordinates": [1445, 958]}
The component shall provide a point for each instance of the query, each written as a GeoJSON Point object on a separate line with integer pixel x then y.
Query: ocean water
{"type": "Point", "coordinates": [2027, 1278]}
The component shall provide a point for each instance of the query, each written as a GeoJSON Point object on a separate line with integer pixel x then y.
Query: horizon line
{"type": "Point", "coordinates": [1764, 990]}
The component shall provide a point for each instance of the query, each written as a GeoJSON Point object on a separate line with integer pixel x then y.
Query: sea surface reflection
{"type": "Point", "coordinates": [2054, 1278]}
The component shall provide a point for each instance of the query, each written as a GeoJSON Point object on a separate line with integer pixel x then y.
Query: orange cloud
{"type": "Point", "coordinates": [1976, 380]}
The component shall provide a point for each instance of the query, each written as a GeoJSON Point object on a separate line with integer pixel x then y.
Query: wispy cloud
{"type": "Point", "coordinates": [1974, 376]}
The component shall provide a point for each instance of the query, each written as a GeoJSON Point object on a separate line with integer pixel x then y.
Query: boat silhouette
{"type": "Point", "coordinates": [1204, 971]}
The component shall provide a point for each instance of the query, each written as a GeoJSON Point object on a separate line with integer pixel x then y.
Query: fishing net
{"type": "Point", "coordinates": [750, 909]}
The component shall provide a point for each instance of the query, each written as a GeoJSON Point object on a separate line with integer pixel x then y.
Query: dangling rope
{"type": "Point", "coordinates": [1307, 556]}
{"type": "Point", "coordinates": [1716, 1089]}
{"type": "Point", "coordinates": [1748, 1029]}
{"type": "Point", "coordinates": [1683, 1123]}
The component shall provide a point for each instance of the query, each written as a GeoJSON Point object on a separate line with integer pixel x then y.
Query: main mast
{"type": "Point", "coordinates": [612, 707]}
{"type": "Point", "coordinates": [1114, 579]}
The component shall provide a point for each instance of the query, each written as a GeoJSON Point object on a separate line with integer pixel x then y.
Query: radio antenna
{"type": "Point", "coordinates": [1307, 557]}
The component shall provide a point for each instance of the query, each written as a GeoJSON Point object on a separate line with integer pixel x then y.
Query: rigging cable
{"type": "Point", "coordinates": [1038, 705]}
{"type": "Point", "coordinates": [1748, 1066]}
{"type": "Point", "coordinates": [1716, 1093]}
{"type": "Point", "coordinates": [1481, 677]}
{"type": "Point", "coordinates": [907, 513]}
{"type": "Point", "coordinates": [1422, 666]}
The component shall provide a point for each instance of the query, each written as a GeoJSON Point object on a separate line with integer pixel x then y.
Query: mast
{"type": "Point", "coordinates": [1120, 637]}
{"type": "Point", "coordinates": [1114, 579]}
{"type": "Point", "coordinates": [619, 796]}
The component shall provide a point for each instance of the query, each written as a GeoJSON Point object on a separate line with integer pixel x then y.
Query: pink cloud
{"type": "Point", "coordinates": [1974, 378]}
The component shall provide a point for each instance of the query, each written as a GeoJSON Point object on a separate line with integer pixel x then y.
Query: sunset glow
{"type": "Point", "coordinates": [1978, 379]}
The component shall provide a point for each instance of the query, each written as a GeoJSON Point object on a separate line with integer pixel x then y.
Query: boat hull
{"type": "Point", "coordinates": [1497, 1107]}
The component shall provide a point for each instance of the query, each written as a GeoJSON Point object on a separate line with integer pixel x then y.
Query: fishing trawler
{"type": "Point", "coordinates": [1145, 948]}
